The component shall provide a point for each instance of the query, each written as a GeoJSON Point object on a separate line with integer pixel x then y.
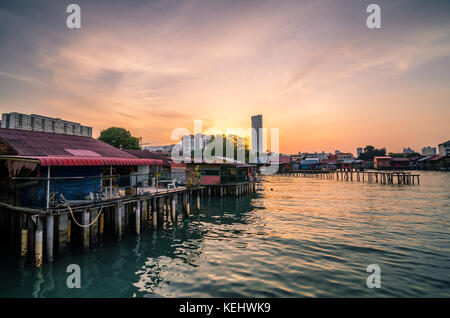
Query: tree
{"type": "Point", "coordinates": [370, 152]}
{"type": "Point", "coordinates": [119, 138]}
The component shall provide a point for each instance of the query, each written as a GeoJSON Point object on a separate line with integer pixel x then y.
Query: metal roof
{"type": "Point", "coordinates": [85, 161]}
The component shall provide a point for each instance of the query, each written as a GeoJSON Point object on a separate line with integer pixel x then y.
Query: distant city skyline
{"type": "Point", "coordinates": [311, 68]}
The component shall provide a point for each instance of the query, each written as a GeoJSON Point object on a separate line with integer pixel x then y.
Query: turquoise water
{"type": "Point", "coordinates": [297, 237]}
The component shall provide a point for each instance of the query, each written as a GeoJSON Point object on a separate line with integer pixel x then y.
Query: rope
{"type": "Point", "coordinates": [53, 194]}
{"type": "Point", "coordinates": [73, 217]}
{"type": "Point", "coordinates": [71, 212]}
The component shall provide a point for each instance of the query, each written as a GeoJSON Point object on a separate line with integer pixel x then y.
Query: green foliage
{"type": "Point", "coordinates": [120, 138]}
{"type": "Point", "coordinates": [193, 177]}
{"type": "Point", "coordinates": [370, 152]}
{"type": "Point", "coordinates": [228, 141]}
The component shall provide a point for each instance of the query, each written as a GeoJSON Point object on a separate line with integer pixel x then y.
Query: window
{"type": "Point", "coordinates": [209, 172]}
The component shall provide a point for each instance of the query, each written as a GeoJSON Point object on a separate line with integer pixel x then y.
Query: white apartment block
{"type": "Point", "coordinates": [195, 142]}
{"type": "Point", "coordinates": [429, 151]}
{"type": "Point", "coordinates": [444, 148]}
{"type": "Point", "coordinates": [44, 124]}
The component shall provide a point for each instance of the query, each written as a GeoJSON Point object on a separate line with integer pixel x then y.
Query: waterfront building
{"type": "Point", "coordinates": [429, 151]}
{"type": "Point", "coordinates": [84, 160]}
{"type": "Point", "coordinates": [310, 163]}
{"type": "Point", "coordinates": [341, 156]}
{"type": "Point", "coordinates": [218, 173]}
{"type": "Point", "coordinates": [41, 123]}
{"type": "Point", "coordinates": [382, 162]}
{"type": "Point", "coordinates": [400, 163]}
{"type": "Point", "coordinates": [444, 148]}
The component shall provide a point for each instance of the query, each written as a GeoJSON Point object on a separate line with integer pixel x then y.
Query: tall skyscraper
{"type": "Point", "coordinates": [257, 141]}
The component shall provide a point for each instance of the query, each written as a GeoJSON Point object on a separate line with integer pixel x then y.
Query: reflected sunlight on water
{"type": "Point", "coordinates": [297, 237]}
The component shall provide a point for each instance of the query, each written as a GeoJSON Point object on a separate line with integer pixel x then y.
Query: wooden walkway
{"type": "Point", "coordinates": [39, 234]}
{"type": "Point", "coordinates": [381, 177]}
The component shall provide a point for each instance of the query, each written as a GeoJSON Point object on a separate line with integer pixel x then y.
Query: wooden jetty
{"type": "Point", "coordinates": [381, 177]}
{"type": "Point", "coordinates": [39, 234]}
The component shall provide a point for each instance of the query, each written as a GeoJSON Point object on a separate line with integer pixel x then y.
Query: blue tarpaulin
{"type": "Point", "coordinates": [76, 189]}
{"type": "Point", "coordinates": [72, 189]}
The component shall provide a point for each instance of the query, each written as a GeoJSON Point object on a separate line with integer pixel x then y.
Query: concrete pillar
{"type": "Point", "coordinates": [85, 218]}
{"type": "Point", "coordinates": [198, 200]}
{"type": "Point", "coordinates": [101, 225]}
{"type": "Point", "coordinates": [154, 213]}
{"type": "Point", "coordinates": [188, 213]}
{"type": "Point", "coordinates": [49, 238]}
{"type": "Point", "coordinates": [138, 217]}
{"type": "Point", "coordinates": [63, 233]}
{"type": "Point", "coordinates": [24, 237]}
{"type": "Point", "coordinates": [38, 243]}
{"type": "Point", "coordinates": [93, 229]}
{"type": "Point", "coordinates": [174, 209]}
{"type": "Point", "coordinates": [118, 220]}
{"type": "Point", "coordinates": [144, 213]}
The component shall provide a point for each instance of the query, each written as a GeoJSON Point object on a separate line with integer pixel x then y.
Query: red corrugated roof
{"type": "Point", "coordinates": [33, 143]}
{"type": "Point", "coordinates": [88, 161]}
{"type": "Point", "coordinates": [438, 157]}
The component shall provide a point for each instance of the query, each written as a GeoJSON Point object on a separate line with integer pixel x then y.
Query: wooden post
{"type": "Point", "coordinates": [198, 200]}
{"type": "Point", "coordinates": [118, 220]}
{"type": "Point", "coordinates": [187, 208]}
{"type": "Point", "coordinates": [24, 236]}
{"type": "Point", "coordinates": [85, 217]}
{"type": "Point", "coordinates": [174, 209]}
{"type": "Point", "coordinates": [101, 225]}
{"type": "Point", "coordinates": [63, 234]}
{"type": "Point", "coordinates": [154, 213]}
{"type": "Point", "coordinates": [144, 212]}
{"type": "Point", "coordinates": [93, 229]}
{"type": "Point", "coordinates": [49, 237]}
{"type": "Point", "coordinates": [168, 212]}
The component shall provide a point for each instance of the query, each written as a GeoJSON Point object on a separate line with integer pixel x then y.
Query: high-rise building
{"type": "Point", "coordinates": [34, 122]}
{"type": "Point", "coordinates": [408, 151]}
{"type": "Point", "coordinates": [257, 140]}
{"type": "Point", "coordinates": [444, 148]}
{"type": "Point", "coordinates": [195, 142]}
{"type": "Point", "coordinates": [429, 151]}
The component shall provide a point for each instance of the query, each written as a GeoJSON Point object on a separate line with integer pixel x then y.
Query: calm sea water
{"type": "Point", "coordinates": [297, 237]}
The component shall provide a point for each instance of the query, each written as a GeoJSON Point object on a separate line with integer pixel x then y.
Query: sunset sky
{"type": "Point", "coordinates": [311, 68]}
